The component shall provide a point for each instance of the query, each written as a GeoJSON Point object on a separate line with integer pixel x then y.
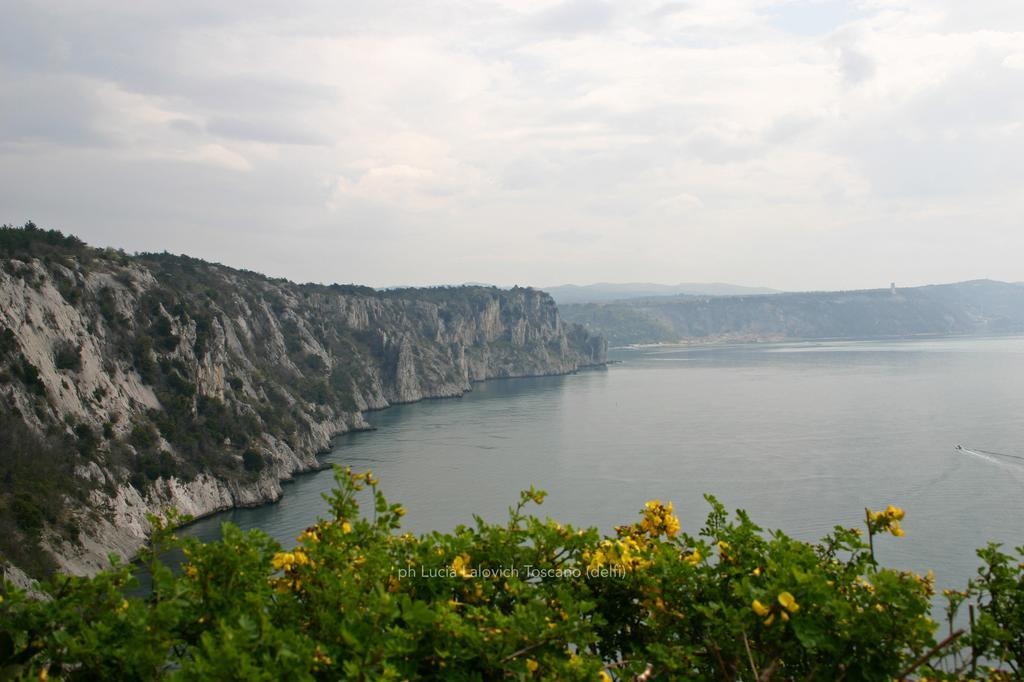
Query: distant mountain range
{"type": "Point", "coordinates": [979, 306]}
{"type": "Point", "coordinates": [607, 292]}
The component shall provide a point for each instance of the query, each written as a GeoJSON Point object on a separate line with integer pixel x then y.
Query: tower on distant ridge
{"type": "Point", "coordinates": [892, 288]}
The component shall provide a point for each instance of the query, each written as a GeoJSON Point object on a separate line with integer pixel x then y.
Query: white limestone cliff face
{"type": "Point", "coordinates": [165, 335]}
{"type": "Point", "coordinates": [41, 318]}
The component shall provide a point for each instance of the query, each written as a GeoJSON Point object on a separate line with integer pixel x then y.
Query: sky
{"type": "Point", "coordinates": [793, 144]}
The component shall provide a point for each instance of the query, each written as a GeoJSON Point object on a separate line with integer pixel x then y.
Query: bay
{"type": "Point", "coordinates": [804, 436]}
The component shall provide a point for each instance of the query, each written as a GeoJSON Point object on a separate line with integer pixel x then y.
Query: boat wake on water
{"type": "Point", "coordinates": [1000, 458]}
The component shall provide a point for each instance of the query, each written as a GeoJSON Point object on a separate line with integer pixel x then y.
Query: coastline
{"type": "Point", "coordinates": [726, 341]}
{"type": "Point", "coordinates": [323, 466]}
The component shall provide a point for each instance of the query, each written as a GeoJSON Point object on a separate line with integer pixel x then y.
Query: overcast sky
{"type": "Point", "coordinates": [796, 144]}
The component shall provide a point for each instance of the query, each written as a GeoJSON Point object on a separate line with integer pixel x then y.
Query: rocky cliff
{"type": "Point", "coordinates": [129, 384]}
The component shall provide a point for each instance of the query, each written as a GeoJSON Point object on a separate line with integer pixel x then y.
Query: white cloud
{"type": "Point", "coordinates": [526, 141]}
{"type": "Point", "coordinates": [217, 155]}
{"type": "Point", "coordinates": [1014, 61]}
{"type": "Point", "coordinates": [399, 186]}
{"type": "Point", "coordinates": [683, 203]}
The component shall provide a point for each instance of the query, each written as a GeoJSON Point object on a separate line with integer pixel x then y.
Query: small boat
{"type": "Point", "coordinates": [988, 454]}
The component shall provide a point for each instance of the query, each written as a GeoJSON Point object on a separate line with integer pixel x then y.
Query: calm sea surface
{"type": "Point", "coordinates": [802, 435]}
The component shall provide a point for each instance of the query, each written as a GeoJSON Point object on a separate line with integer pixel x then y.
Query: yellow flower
{"type": "Point", "coordinates": [346, 527]}
{"type": "Point", "coordinates": [769, 620]}
{"type": "Point", "coordinates": [658, 519]}
{"type": "Point", "coordinates": [759, 608]}
{"type": "Point", "coordinates": [757, 572]}
{"type": "Point", "coordinates": [788, 602]}
{"type": "Point", "coordinates": [618, 553]}
{"type": "Point", "coordinates": [532, 665]}
{"type": "Point", "coordinates": [694, 558]}
{"type": "Point", "coordinates": [282, 560]}
{"type": "Point", "coordinates": [886, 520]}
{"type": "Point", "coordinates": [460, 565]}
{"type": "Point", "coordinates": [288, 561]}
{"type": "Point", "coordinates": [400, 511]}
{"type": "Point", "coordinates": [603, 676]}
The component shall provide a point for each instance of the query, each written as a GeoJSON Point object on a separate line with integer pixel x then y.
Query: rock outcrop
{"type": "Point", "coordinates": [159, 381]}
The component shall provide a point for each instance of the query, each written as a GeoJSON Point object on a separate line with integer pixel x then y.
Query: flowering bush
{"type": "Point", "coordinates": [526, 599]}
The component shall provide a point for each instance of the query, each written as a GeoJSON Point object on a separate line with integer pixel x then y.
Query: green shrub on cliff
{"type": "Point", "coordinates": [31, 241]}
{"type": "Point", "coordinates": [528, 599]}
{"type": "Point", "coordinates": [67, 356]}
{"type": "Point", "coordinates": [37, 488]}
